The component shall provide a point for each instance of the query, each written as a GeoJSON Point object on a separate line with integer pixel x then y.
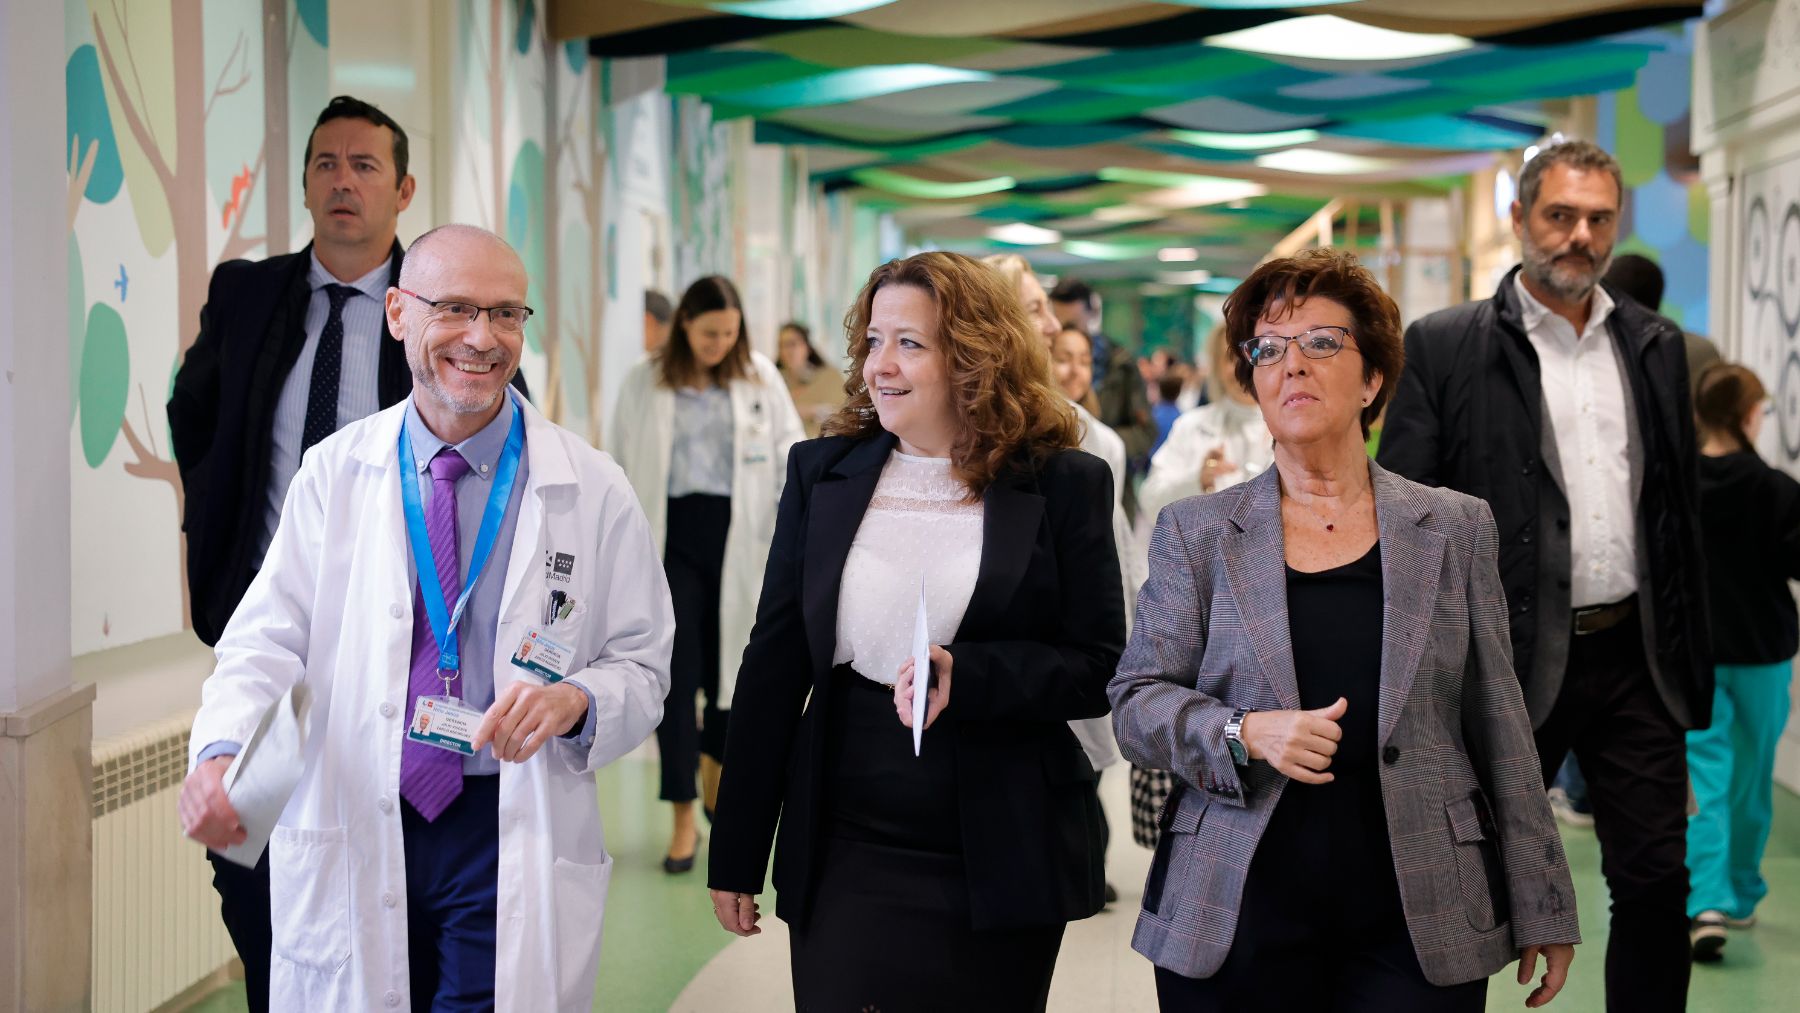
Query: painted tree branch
{"type": "Point", "coordinates": [236, 243]}
{"type": "Point", "coordinates": [139, 131]}
{"type": "Point", "coordinates": [80, 170]}
{"type": "Point", "coordinates": [118, 13]}
{"type": "Point", "coordinates": [220, 88]}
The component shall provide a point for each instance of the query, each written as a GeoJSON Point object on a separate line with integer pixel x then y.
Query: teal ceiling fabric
{"type": "Point", "coordinates": [1119, 123]}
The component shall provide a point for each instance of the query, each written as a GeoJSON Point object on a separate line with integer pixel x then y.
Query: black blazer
{"type": "Point", "coordinates": [1467, 414]}
{"type": "Point", "coordinates": [1041, 637]}
{"type": "Point", "coordinates": [222, 417]}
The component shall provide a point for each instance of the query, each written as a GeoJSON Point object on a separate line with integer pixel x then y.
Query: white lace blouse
{"type": "Point", "coordinates": [918, 525]}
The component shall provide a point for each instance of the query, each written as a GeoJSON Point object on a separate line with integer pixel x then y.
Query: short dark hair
{"type": "Point", "coordinates": [675, 361]}
{"type": "Point", "coordinates": [1322, 274]}
{"type": "Point", "coordinates": [346, 107]}
{"type": "Point", "coordinates": [1585, 155]}
{"type": "Point", "coordinates": [1638, 277]}
{"type": "Point", "coordinates": [1073, 290]}
{"type": "Point", "coordinates": [658, 305]}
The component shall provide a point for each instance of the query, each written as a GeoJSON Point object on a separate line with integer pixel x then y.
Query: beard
{"type": "Point", "coordinates": [1568, 279]}
{"type": "Point", "coordinates": [425, 377]}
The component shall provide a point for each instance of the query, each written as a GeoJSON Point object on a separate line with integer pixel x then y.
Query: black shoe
{"type": "Point", "coordinates": [1112, 894]}
{"type": "Point", "coordinates": [1707, 936]}
{"type": "Point", "coordinates": [677, 866]}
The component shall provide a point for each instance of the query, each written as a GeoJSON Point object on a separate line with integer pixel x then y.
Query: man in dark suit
{"type": "Point", "coordinates": [1124, 400]}
{"type": "Point", "coordinates": [1565, 405]}
{"type": "Point", "coordinates": [290, 349]}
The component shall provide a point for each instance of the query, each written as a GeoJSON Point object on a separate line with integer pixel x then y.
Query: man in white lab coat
{"type": "Point", "coordinates": [407, 874]}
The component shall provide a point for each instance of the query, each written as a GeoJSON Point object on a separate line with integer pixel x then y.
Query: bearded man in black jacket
{"type": "Point", "coordinates": [1565, 406]}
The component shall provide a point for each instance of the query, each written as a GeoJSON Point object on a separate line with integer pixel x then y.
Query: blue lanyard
{"type": "Point", "coordinates": [443, 626]}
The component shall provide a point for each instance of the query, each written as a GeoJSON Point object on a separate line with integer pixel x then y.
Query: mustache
{"type": "Point", "coordinates": [468, 354]}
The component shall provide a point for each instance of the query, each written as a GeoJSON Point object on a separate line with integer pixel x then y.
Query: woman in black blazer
{"type": "Point", "coordinates": [942, 880]}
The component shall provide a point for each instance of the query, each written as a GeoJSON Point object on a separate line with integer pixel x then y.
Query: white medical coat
{"type": "Point", "coordinates": [764, 425]}
{"type": "Point", "coordinates": [332, 606]}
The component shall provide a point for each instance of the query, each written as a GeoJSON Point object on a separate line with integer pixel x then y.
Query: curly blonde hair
{"type": "Point", "coordinates": [1000, 391]}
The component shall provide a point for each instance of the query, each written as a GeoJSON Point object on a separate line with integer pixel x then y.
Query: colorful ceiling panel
{"type": "Point", "coordinates": [1123, 126]}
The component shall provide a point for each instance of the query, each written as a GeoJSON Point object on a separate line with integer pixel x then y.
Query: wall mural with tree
{"type": "Point", "coordinates": [174, 110]}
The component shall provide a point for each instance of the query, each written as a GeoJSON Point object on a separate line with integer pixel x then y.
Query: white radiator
{"type": "Point", "coordinates": [156, 918]}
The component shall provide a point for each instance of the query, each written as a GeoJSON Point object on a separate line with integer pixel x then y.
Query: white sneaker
{"type": "Point", "coordinates": [1565, 811]}
{"type": "Point", "coordinates": [1707, 936]}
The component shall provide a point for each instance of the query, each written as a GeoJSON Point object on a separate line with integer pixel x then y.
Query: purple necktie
{"type": "Point", "coordinates": [431, 778]}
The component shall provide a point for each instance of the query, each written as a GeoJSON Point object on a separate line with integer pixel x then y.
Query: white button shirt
{"type": "Point", "coordinates": [1584, 403]}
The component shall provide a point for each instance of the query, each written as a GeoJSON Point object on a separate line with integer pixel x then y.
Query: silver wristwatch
{"type": "Point", "coordinates": [1234, 737]}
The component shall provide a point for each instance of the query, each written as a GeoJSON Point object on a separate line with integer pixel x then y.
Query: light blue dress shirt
{"type": "Point", "coordinates": [482, 618]}
{"type": "Point", "coordinates": [476, 632]}
{"type": "Point", "coordinates": [358, 393]}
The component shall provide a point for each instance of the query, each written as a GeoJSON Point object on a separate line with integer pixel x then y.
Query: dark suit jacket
{"type": "Point", "coordinates": [1037, 645]}
{"type": "Point", "coordinates": [1468, 415]}
{"type": "Point", "coordinates": [222, 417]}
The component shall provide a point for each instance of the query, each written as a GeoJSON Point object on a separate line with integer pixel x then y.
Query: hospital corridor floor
{"type": "Point", "coordinates": [664, 951]}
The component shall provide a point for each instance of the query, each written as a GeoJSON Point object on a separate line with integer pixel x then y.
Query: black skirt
{"type": "Point", "coordinates": [889, 928]}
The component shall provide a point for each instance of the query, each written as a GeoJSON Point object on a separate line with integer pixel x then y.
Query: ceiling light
{"type": "Point", "coordinates": [1177, 254]}
{"type": "Point", "coordinates": [1184, 277]}
{"type": "Point", "coordinates": [1102, 251]}
{"type": "Point", "coordinates": [1319, 162]}
{"type": "Point", "coordinates": [929, 189]}
{"type": "Point", "coordinates": [1023, 234]}
{"type": "Point", "coordinates": [1244, 142]}
{"type": "Point", "coordinates": [1326, 37]}
{"type": "Point", "coordinates": [799, 10]}
{"type": "Point", "coordinates": [1182, 198]}
{"type": "Point", "coordinates": [1126, 214]}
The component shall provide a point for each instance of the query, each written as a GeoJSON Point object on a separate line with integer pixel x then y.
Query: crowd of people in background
{"type": "Point", "coordinates": [1347, 595]}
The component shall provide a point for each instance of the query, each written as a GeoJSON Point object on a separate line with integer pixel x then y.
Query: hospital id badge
{"type": "Point", "coordinates": [549, 659]}
{"type": "Point", "coordinates": [446, 723]}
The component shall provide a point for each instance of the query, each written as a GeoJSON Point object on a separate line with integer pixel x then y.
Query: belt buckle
{"type": "Point", "coordinates": [1581, 617]}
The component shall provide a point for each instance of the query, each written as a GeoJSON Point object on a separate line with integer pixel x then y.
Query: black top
{"type": "Point", "coordinates": [1750, 520]}
{"type": "Point", "coordinates": [1325, 856]}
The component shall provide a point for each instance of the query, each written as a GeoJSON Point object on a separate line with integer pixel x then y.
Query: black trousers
{"type": "Point", "coordinates": [1367, 975]}
{"type": "Point", "coordinates": [1635, 758]}
{"type": "Point", "coordinates": [695, 564]}
{"type": "Point", "coordinates": [244, 908]}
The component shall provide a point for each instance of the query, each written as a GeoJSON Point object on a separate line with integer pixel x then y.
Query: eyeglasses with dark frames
{"type": "Point", "coordinates": [1317, 343]}
{"type": "Point", "coordinates": [501, 318]}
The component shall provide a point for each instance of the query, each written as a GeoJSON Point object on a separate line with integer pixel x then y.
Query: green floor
{"type": "Point", "coordinates": [660, 929]}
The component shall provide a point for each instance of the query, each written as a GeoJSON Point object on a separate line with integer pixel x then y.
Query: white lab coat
{"type": "Point", "coordinates": [333, 606]}
{"type": "Point", "coordinates": [1096, 734]}
{"type": "Point", "coordinates": [764, 426]}
{"type": "Point", "coordinates": [1175, 467]}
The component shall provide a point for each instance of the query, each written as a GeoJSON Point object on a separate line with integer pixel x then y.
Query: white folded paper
{"type": "Point", "coordinates": [921, 650]}
{"type": "Point", "coordinates": [263, 776]}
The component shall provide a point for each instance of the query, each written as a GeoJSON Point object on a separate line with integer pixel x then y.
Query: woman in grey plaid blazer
{"type": "Point", "coordinates": [1321, 657]}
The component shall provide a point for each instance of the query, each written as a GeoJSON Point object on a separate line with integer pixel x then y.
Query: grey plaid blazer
{"type": "Point", "coordinates": [1472, 834]}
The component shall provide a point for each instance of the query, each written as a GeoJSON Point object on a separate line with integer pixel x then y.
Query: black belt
{"type": "Point", "coordinates": [1599, 618]}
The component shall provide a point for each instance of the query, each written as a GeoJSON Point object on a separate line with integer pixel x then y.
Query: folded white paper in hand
{"type": "Point", "coordinates": [263, 776]}
{"type": "Point", "coordinates": [921, 650]}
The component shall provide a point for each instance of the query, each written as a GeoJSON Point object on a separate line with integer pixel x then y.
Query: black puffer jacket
{"type": "Point", "coordinates": [1467, 414]}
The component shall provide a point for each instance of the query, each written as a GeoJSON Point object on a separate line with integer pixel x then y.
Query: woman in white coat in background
{"type": "Point", "coordinates": [702, 430]}
{"type": "Point", "coordinates": [1212, 447]}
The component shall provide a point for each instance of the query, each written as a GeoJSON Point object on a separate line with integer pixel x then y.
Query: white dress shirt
{"type": "Point", "coordinates": [1584, 404]}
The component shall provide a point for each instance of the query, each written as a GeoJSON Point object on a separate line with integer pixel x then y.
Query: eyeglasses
{"type": "Point", "coordinates": [1318, 343]}
{"type": "Point", "coordinates": [501, 318]}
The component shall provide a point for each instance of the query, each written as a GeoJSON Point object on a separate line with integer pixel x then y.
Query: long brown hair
{"type": "Point", "coordinates": [1725, 394]}
{"type": "Point", "coordinates": [675, 362]}
{"type": "Point", "coordinates": [1000, 389]}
